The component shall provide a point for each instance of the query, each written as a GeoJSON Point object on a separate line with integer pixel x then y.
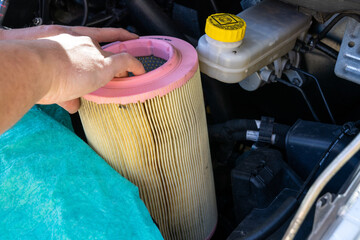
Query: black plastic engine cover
{"type": "Point", "coordinates": [259, 176]}
{"type": "Point", "coordinates": [306, 142]}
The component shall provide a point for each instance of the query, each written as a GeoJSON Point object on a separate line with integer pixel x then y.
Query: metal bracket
{"type": "Point", "coordinates": [337, 216]}
{"type": "Point", "coordinates": [348, 62]}
{"type": "Point", "coordinates": [294, 77]}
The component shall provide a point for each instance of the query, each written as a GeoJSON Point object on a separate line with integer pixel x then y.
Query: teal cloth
{"type": "Point", "coordinates": [54, 186]}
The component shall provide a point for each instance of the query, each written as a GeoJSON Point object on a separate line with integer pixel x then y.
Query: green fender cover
{"type": "Point", "coordinates": [54, 186]}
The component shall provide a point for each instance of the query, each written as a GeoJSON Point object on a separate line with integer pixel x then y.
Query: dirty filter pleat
{"type": "Point", "coordinates": [161, 145]}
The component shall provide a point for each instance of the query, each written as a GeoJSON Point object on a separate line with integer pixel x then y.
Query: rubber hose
{"type": "Point", "coordinates": [235, 130]}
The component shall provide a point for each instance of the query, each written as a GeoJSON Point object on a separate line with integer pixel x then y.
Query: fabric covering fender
{"type": "Point", "coordinates": [53, 186]}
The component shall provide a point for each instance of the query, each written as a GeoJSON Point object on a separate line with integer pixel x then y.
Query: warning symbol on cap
{"type": "Point", "coordinates": [224, 19]}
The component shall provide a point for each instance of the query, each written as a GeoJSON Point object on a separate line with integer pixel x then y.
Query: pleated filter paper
{"type": "Point", "coordinates": [152, 130]}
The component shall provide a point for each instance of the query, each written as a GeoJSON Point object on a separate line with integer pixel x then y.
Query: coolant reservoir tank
{"type": "Point", "coordinates": [236, 46]}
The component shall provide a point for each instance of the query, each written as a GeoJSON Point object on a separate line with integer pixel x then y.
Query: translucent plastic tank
{"type": "Point", "coordinates": [272, 28]}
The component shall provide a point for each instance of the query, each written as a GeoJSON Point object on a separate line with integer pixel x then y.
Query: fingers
{"type": "Point", "coordinates": [119, 64]}
{"type": "Point", "coordinates": [71, 106]}
{"type": "Point", "coordinates": [32, 33]}
{"type": "Point", "coordinates": [105, 34]}
{"type": "Point", "coordinates": [22, 33]}
{"type": "Point", "coordinates": [98, 34]}
{"type": "Point", "coordinates": [106, 53]}
{"type": "Point", "coordinates": [128, 62]}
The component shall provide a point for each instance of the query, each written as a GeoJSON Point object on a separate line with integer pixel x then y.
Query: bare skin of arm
{"type": "Point", "coordinates": [55, 67]}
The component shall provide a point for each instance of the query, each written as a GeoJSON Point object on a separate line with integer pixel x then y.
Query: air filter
{"type": "Point", "coordinates": [152, 130]}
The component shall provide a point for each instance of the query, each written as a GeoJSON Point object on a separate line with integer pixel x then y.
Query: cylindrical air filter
{"type": "Point", "coordinates": [152, 129]}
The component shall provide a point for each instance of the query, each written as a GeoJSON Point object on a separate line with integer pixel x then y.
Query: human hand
{"type": "Point", "coordinates": [77, 58]}
{"type": "Point", "coordinates": [97, 34]}
{"type": "Point", "coordinates": [76, 65]}
{"type": "Point", "coordinates": [49, 67]}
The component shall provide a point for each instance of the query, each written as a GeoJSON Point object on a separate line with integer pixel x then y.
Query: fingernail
{"type": "Point", "coordinates": [134, 35]}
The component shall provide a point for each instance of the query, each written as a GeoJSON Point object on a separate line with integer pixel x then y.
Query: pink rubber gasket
{"type": "Point", "coordinates": [212, 232]}
{"type": "Point", "coordinates": [181, 65]}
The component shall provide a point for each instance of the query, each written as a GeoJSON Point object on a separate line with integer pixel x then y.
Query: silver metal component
{"type": "Point", "coordinates": [294, 58]}
{"type": "Point", "coordinates": [279, 66]}
{"type": "Point", "coordinates": [254, 136]}
{"type": "Point", "coordinates": [37, 21]}
{"type": "Point", "coordinates": [294, 77]}
{"type": "Point", "coordinates": [265, 74]}
{"type": "Point", "coordinates": [259, 78]}
{"type": "Point", "coordinates": [252, 82]}
{"type": "Point", "coordinates": [258, 123]}
{"type": "Point", "coordinates": [348, 62]}
{"type": "Point", "coordinates": [338, 218]}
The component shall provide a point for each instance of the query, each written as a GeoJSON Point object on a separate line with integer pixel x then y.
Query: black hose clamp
{"type": "Point", "coordinates": [266, 130]}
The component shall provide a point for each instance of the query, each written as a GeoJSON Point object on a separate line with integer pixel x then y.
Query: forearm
{"type": "Point", "coordinates": [58, 69]}
{"type": "Point", "coordinates": [22, 81]}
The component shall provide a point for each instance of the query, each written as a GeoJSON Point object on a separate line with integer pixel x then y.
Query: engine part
{"type": "Point", "coordinates": [264, 190]}
{"type": "Point", "coordinates": [348, 63]}
{"type": "Point", "coordinates": [329, 6]}
{"type": "Point", "coordinates": [262, 222]}
{"type": "Point", "coordinates": [250, 130]}
{"type": "Point", "coordinates": [152, 130]}
{"type": "Point", "coordinates": [327, 50]}
{"type": "Point", "coordinates": [307, 141]}
{"type": "Point", "coordinates": [294, 77]}
{"type": "Point", "coordinates": [315, 42]}
{"type": "Point", "coordinates": [259, 78]}
{"type": "Point", "coordinates": [333, 22]}
{"type": "Point", "coordinates": [272, 28]}
{"type": "Point", "coordinates": [255, 80]}
{"type": "Point", "coordinates": [319, 88]}
{"type": "Point", "coordinates": [337, 216]}
{"type": "Point", "coordinates": [347, 129]}
{"type": "Point", "coordinates": [259, 176]}
{"type": "Point", "coordinates": [344, 156]}
{"type": "Point", "coordinates": [21, 13]}
{"type": "Point", "coordinates": [302, 93]}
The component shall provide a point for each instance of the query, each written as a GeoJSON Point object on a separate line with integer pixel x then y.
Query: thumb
{"type": "Point", "coordinates": [71, 106]}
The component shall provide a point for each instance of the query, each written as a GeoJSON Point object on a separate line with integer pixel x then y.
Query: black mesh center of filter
{"type": "Point", "coordinates": [150, 63]}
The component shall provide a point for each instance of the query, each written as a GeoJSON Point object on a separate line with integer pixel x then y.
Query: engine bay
{"type": "Point", "coordinates": [282, 102]}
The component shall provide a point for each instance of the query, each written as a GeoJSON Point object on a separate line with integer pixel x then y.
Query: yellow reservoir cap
{"type": "Point", "coordinates": [225, 27]}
